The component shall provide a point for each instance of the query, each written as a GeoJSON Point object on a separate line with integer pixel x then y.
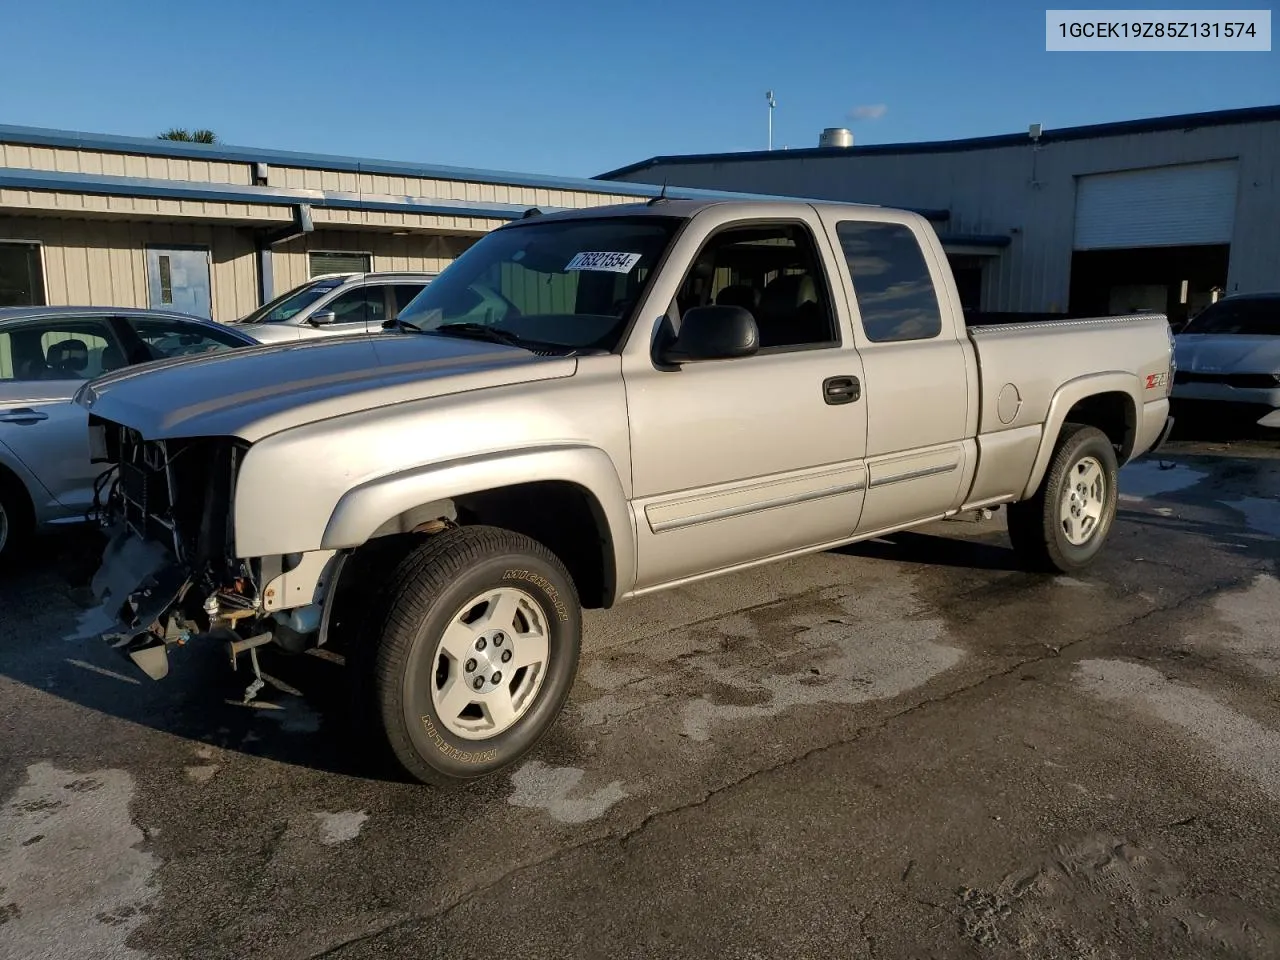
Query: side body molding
{"type": "Point", "coordinates": [363, 509]}
{"type": "Point", "coordinates": [1067, 396]}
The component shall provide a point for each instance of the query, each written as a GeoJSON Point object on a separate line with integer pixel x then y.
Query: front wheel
{"type": "Point", "coordinates": [15, 520]}
{"type": "Point", "coordinates": [1063, 526]}
{"type": "Point", "coordinates": [478, 650]}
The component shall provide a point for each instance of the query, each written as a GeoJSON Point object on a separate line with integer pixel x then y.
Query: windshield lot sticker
{"type": "Point", "coordinates": [606, 262]}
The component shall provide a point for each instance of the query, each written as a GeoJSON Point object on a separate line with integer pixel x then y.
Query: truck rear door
{"type": "Point", "coordinates": [743, 459]}
{"type": "Point", "coordinates": [917, 368]}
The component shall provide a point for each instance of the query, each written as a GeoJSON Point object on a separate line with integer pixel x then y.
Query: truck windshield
{"type": "Point", "coordinates": [1250, 318]}
{"type": "Point", "coordinates": [289, 305]}
{"type": "Point", "coordinates": [570, 284]}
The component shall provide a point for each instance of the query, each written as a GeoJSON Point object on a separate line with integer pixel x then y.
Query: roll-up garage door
{"type": "Point", "coordinates": [1157, 207]}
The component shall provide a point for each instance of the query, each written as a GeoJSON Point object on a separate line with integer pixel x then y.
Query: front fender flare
{"type": "Point", "coordinates": [1066, 397]}
{"type": "Point", "coordinates": [365, 508]}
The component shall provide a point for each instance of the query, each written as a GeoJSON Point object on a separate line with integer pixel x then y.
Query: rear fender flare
{"type": "Point", "coordinates": [1066, 397]}
{"type": "Point", "coordinates": [365, 508]}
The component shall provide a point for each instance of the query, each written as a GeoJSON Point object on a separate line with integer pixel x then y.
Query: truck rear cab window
{"type": "Point", "coordinates": [771, 270]}
{"type": "Point", "coordinates": [891, 281]}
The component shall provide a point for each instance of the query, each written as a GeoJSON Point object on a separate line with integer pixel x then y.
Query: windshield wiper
{"type": "Point", "coordinates": [481, 331]}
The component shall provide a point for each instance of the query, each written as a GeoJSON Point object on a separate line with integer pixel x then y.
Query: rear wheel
{"type": "Point", "coordinates": [1064, 525]}
{"type": "Point", "coordinates": [477, 653]}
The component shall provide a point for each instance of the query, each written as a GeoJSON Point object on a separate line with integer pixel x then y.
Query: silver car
{"type": "Point", "coordinates": [1229, 355]}
{"type": "Point", "coordinates": [46, 354]}
{"type": "Point", "coordinates": [333, 305]}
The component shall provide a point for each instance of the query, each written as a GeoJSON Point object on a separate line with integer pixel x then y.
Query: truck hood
{"type": "Point", "coordinates": [253, 392]}
{"type": "Point", "coordinates": [1227, 353]}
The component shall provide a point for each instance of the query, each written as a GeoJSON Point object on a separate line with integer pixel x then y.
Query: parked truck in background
{"type": "Point", "coordinates": [586, 407]}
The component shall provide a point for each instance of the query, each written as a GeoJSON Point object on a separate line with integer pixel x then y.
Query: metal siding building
{"type": "Point", "coordinates": [1028, 193]}
{"type": "Point", "coordinates": [82, 215]}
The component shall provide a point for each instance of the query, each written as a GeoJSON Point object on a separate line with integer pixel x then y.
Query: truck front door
{"type": "Point", "coordinates": [745, 459]}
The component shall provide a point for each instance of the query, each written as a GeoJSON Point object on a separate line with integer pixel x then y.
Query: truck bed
{"type": "Point", "coordinates": [1038, 358]}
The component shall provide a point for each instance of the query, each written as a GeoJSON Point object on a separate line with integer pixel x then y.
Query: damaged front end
{"type": "Point", "coordinates": [169, 574]}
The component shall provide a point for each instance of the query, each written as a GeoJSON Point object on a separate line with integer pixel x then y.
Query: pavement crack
{"type": "Point", "coordinates": [268, 854]}
{"type": "Point", "coordinates": [460, 901]}
{"type": "Point", "coordinates": [867, 938]}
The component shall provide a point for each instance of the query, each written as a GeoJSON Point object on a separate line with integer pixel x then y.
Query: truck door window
{"type": "Point", "coordinates": [891, 281]}
{"type": "Point", "coordinates": [772, 271]}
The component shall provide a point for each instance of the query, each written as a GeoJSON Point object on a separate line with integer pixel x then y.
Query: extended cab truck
{"type": "Point", "coordinates": [584, 407]}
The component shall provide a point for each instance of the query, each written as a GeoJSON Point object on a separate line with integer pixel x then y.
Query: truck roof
{"type": "Point", "coordinates": [688, 208]}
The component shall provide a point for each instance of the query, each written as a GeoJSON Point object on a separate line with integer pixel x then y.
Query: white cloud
{"type": "Point", "coordinates": [868, 111]}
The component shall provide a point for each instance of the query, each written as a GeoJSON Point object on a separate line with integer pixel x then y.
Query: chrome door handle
{"type": "Point", "coordinates": [22, 415]}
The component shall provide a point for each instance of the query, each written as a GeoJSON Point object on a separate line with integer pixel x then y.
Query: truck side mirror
{"type": "Point", "coordinates": [717, 332]}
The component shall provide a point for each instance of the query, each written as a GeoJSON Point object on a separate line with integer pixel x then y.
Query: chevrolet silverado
{"type": "Point", "coordinates": [585, 407]}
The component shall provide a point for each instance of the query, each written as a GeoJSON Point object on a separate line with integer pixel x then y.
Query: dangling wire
{"type": "Point", "coordinates": [95, 514]}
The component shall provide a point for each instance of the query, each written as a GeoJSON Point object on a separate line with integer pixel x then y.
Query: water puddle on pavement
{"type": "Point", "coordinates": [843, 649]}
{"type": "Point", "coordinates": [73, 883]}
{"type": "Point", "coordinates": [1152, 479]}
{"type": "Point", "coordinates": [852, 664]}
{"type": "Point", "coordinates": [1260, 515]}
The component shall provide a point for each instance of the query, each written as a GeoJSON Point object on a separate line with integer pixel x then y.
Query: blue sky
{"type": "Point", "coordinates": [575, 88]}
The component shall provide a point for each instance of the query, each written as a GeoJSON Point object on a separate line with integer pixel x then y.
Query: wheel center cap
{"type": "Point", "coordinates": [484, 667]}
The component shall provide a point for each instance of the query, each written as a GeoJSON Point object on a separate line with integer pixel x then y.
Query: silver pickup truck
{"type": "Point", "coordinates": [585, 407]}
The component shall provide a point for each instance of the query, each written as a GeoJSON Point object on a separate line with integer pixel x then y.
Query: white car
{"type": "Point", "coordinates": [1230, 353]}
{"type": "Point", "coordinates": [334, 304]}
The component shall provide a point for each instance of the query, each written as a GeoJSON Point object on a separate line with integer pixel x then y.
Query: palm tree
{"type": "Point", "coordinates": [195, 136]}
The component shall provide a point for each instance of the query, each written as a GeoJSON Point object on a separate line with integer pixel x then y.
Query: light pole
{"type": "Point", "coordinates": [768, 96]}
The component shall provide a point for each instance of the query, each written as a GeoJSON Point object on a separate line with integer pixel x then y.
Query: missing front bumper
{"type": "Point", "coordinates": [137, 586]}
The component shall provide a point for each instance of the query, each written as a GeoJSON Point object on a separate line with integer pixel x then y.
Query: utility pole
{"type": "Point", "coordinates": [768, 95]}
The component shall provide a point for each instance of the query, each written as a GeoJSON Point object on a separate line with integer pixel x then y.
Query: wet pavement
{"type": "Point", "coordinates": [905, 748]}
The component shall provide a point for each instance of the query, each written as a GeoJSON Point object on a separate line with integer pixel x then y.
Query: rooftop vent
{"type": "Point", "coordinates": [836, 137]}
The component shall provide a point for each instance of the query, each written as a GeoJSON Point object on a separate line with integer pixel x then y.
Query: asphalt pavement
{"type": "Point", "coordinates": [905, 748]}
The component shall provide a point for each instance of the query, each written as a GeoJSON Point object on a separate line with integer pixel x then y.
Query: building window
{"type": "Point", "coordinates": [321, 262]}
{"type": "Point", "coordinates": [21, 275]}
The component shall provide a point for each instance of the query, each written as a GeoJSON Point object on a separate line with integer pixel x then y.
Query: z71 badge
{"type": "Point", "coordinates": [1155, 380]}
